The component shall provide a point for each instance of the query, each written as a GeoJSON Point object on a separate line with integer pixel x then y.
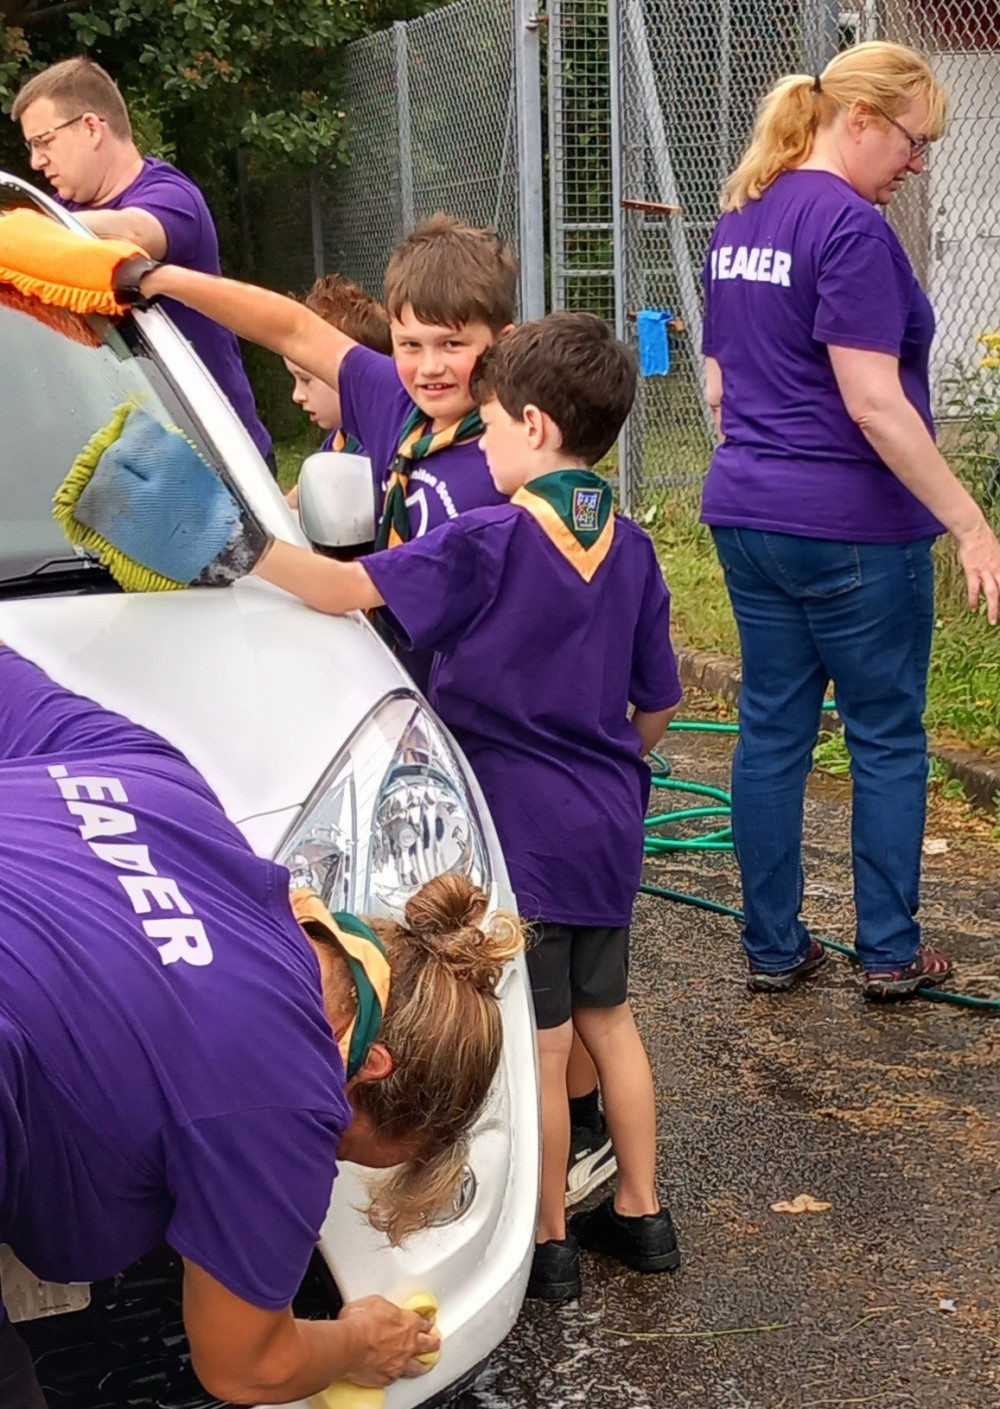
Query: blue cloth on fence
{"type": "Point", "coordinates": [157, 501]}
{"type": "Point", "coordinates": [654, 341]}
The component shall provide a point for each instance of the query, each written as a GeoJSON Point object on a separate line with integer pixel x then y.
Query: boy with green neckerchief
{"type": "Point", "coordinates": [450, 292]}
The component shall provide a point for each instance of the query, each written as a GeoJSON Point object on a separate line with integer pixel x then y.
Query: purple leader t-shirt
{"type": "Point", "coordinates": [535, 669]}
{"type": "Point", "coordinates": [166, 1067]}
{"type": "Point", "coordinates": [173, 198]}
{"type": "Point", "coordinates": [808, 265]}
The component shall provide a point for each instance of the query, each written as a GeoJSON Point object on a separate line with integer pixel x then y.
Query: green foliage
{"type": "Point", "coordinates": [830, 755]}
{"type": "Point", "coordinates": [207, 76]}
{"type": "Point", "coordinates": [963, 688]}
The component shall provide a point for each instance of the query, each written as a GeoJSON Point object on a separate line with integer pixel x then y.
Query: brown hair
{"type": "Point", "coordinates": [346, 306]}
{"type": "Point", "coordinates": [873, 75]}
{"type": "Point", "coordinates": [451, 274]}
{"type": "Point", "coordinates": [444, 1031]}
{"type": "Point", "coordinates": [78, 86]}
{"type": "Point", "coordinates": [572, 367]}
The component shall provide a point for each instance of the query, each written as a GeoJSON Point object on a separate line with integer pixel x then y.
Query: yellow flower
{"type": "Point", "coordinates": [990, 340]}
{"type": "Point", "coordinates": [991, 363]}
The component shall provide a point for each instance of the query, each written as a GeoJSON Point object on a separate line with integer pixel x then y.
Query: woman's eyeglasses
{"type": "Point", "coordinates": [918, 145]}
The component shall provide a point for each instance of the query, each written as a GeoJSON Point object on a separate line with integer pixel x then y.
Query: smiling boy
{"type": "Point", "coordinates": [450, 292]}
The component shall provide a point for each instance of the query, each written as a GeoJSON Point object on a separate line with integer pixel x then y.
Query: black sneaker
{"type": "Point", "coordinates": [591, 1162]}
{"type": "Point", "coordinates": [813, 959]}
{"type": "Point", "coordinates": [646, 1244]}
{"type": "Point", "coordinates": [555, 1271]}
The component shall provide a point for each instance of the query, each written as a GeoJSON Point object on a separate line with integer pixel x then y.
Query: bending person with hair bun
{"type": "Point", "coordinates": [186, 1051]}
{"type": "Point", "coordinates": [825, 495]}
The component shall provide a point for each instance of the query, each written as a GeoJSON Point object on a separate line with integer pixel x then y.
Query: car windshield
{"type": "Point", "coordinates": [62, 377]}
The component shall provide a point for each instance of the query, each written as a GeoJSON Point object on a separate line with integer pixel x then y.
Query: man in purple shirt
{"type": "Point", "coordinates": [77, 129]}
{"type": "Point", "coordinates": [549, 616]}
{"type": "Point", "coordinates": [186, 1050]}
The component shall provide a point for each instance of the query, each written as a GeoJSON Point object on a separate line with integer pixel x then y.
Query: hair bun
{"type": "Point", "coordinates": [443, 905]}
{"type": "Point", "coordinates": [445, 920]}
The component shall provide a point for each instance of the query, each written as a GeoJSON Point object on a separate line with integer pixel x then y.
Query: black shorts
{"type": "Point", "coordinates": [576, 966]}
{"type": "Point", "coordinates": [19, 1387]}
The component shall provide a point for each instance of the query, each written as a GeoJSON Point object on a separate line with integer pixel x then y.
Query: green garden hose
{"type": "Point", "coordinates": [721, 839]}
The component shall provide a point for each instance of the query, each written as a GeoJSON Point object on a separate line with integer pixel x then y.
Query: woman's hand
{"type": "Point", "coordinates": [979, 554]}
{"type": "Point", "coordinates": [388, 1340]}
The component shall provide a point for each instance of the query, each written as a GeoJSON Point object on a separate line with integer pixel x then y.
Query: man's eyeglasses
{"type": "Point", "coordinates": [42, 140]}
{"type": "Point", "coordinates": [918, 145]}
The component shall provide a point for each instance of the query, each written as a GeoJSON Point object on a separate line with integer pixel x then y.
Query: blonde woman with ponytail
{"type": "Point", "coordinates": [194, 1077]}
{"type": "Point", "coordinates": [825, 495]}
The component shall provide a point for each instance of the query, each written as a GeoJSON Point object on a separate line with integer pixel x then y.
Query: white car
{"type": "Point", "coordinates": [315, 740]}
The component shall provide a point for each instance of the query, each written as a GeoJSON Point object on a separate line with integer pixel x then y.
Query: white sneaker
{"type": "Point", "coordinates": [591, 1162]}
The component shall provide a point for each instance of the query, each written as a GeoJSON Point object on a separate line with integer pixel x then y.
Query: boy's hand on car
{"type": "Point", "coordinates": [388, 1340]}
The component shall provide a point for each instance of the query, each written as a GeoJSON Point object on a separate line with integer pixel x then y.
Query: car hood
{"type": "Point", "coordinates": [258, 691]}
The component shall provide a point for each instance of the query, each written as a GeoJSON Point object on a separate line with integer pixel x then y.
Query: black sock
{"type": "Point", "coordinates": [585, 1110]}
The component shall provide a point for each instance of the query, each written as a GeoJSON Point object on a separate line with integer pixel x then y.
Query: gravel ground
{"type": "Point", "coordinates": [889, 1115]}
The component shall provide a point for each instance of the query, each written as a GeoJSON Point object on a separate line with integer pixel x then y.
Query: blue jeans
{"type": "Point", "coordinates": [861, 615]}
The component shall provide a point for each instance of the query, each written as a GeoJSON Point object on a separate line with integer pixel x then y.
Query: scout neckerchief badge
{"type": "Point", "coordinates": [416, 442]}
{"type": "Point", "coordinates": [367, 962]}
{"type": "Point", "coordinates": [340, 440]}
{"type": "Point", "coordinates": [575, 511]}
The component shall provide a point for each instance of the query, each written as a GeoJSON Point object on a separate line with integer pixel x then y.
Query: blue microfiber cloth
{"type": "Point", "coordinates": [146, 492]}
{"type": "Point", "coordinates": [654, 341]}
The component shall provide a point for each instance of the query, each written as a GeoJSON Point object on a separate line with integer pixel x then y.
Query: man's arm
{"type": "Point", "coordinates": [651, 727]}
{"type": "Point", "coordinates": [322, 583]}
{"type": "Point", "coordinates": [133, 224]}
{"type": "Point", "coordinates": [261, 316]}
{"type": "Point", "coordinates": [247, 1356]}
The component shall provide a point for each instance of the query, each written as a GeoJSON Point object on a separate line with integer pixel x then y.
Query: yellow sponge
{"type": "Point", "coordinates": [345, 1394]}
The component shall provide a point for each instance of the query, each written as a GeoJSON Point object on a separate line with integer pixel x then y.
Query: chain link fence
{"type": "Point", "coordinates": [431, 125]}
{"type": "Point", "coordinates": [688, 78]}
{"type": "Point", "coordinates": [649, 105]}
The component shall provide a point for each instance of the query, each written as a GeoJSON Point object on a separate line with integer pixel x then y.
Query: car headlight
{"type": "Point", "coordinates": [392, 811]}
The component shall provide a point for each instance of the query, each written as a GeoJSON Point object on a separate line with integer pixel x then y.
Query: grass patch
{"type": "Point", "coordinates": [291, 451]}
{"type": "Point", "coordinates": [963, 688]}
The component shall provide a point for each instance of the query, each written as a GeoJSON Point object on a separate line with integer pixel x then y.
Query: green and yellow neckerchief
{"type": "Point", "coordinates": [369, 967]}
{"type": "Point", "coordinates": [575, 511]}
{"type": "Point", "coordinates": [342, 441]}
{"type": "Point", "coordinates": [416, 442]}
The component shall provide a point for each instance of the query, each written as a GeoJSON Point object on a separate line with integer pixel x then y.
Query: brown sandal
{"type": "Point", "coordinates": [929, 967]}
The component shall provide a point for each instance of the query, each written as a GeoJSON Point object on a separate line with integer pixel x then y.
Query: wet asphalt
{"type": "Point", "coordinates": [887, 1114]}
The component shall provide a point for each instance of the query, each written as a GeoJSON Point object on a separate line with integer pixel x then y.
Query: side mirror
{"type": "Point", "coordinates": [337, 503]}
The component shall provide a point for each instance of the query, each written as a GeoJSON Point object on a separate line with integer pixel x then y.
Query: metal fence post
{"type": "Point", "coordinates": [404, 133]}
{"type": "Point", "coordinates": [625, 475]}
{"type": "Point", "coordinates": [531, 221]}
{"type": "Point", "coordinates": [820, 33]}
{"type": "Point", "coordinates": [316, 223]}
{"type": "Point", "coordinates": [662, 164]}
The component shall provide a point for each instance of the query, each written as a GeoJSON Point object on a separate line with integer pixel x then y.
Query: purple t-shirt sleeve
{"type": "Point", "coordinates": [39, 717]}
{"type": "Point", "coordinates": [251, 1190]}
{"type": "Point", "coordinates": [435, 586]}
{"type": "Point", "coordinates": [863, 294]}
{"type": "Point", "coordinates": [179, 209]}
{"type": "Point", "coordinates": [655, 683]}
{"type": "Point", "coordinates": [373, 405]}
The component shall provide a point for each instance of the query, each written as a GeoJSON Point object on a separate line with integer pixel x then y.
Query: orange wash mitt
{"type": "Point", "coordinates": [58, 266]}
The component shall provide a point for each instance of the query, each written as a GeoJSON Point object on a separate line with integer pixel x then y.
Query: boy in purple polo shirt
{"type": "Point", "coordinates": [450, 292]}
{"type": "Point", "coordinates": [549, 616]}
{"type": "Point", "coordinates": [345, 306]}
